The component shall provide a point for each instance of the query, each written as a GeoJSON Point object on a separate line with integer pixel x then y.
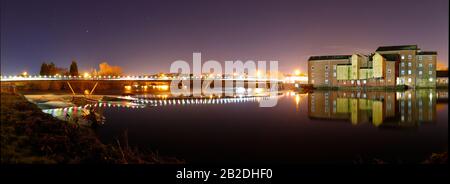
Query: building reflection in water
{"type": "Point", "coordinates": [379, 108]}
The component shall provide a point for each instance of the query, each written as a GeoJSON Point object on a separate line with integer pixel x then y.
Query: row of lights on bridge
{"type": "Point", "coordinates": [75, 76]}
{"type": "Point", "coordinates": [102, 77]}
{"type": "Point", "coordinates": [87, 75]}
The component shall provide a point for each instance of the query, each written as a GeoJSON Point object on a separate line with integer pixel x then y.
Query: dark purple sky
{"type": "Point", "coordinates": [147, 36]}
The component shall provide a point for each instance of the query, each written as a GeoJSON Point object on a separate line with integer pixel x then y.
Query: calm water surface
{"type": "Point", "coordinates": [319, 127]}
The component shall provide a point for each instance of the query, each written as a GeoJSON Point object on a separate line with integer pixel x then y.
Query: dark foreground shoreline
{"type": "Point", "coordinates": [30, 136]}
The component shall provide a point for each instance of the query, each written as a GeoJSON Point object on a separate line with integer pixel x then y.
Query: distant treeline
{"type": "Point", "coordinates": [51, 69]}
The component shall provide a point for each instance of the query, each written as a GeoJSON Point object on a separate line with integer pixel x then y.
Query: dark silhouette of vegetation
{"type": "Point", "coordinates": [437, 158]}
{"type": "Point", "coordinates": [51, 69]}
{"type": "Point", "coordinates": [30, 136]}
{"type": "Point", "coordinates": [73, 69]}
{"type": "Point", "coordinates": [44, 69]}
{"type": "Point", "coordinates": [434, 158]}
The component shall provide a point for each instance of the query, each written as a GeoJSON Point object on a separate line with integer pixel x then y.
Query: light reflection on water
{"type": "Point", "coordinates": [319, 127]}
{"type": "Point", "coordinates": [402, 109]}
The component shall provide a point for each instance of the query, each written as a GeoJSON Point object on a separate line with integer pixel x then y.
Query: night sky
{"type": "Point", "coordinates": [147, 36]}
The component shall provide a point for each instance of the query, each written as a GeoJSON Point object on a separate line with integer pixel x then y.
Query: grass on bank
{"type": "Point", "coordinates": [28, 135]}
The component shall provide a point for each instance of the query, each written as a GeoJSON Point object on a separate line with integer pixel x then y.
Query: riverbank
{"type": "Point", "coordinates": [30, 136]}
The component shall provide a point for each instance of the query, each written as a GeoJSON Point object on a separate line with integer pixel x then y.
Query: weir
{"type": "Point", "coordinates": [81, 85]}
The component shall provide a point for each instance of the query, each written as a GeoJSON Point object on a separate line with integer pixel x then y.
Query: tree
{"type": "Point", "coordinates": [73, 69]}
{"type": "Point", "coordinates": [44, 69]}
{"type": "Point", "coordinates": [106, 69]}
{"type": "Point", "coordinates": [52, 69]}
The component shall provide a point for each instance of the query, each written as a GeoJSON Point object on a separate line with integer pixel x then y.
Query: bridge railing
{"type": "Point", "coordinates": [121, 78]}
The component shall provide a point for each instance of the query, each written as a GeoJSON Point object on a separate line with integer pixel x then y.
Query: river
{"type": "Point", "coordinates": [303, 128]}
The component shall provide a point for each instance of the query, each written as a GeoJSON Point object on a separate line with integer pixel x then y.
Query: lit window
{"type": "Point", "coordinates": [431, 79]}
{"type": "Point", "coordinates": [403, 72]}
{"type": "Point", "coordinates": [334, 74]}
{"type": "Point", "coordinates": [403, 57]}
{"type": "Point", "coordinates": [420, 72]}
{"type": "Point", "coordinates": [409, 80]}
{"type": "Point", "coordinates": [409, 72]}
{"type": "Point", "coordinates": [430, 72]}
{"type": "Point", "coordinates": [409, 57]}
{"type": "Point", "coordinates": [420, 64]}
{"type": "Point", "coordinates": [403, 64]}
{"type": "Point", "coordinates": [326, 81]}
{"type": "Point", "coordinates": [409, 64]}
{"type": "Point", "coordinates": [334, 67]}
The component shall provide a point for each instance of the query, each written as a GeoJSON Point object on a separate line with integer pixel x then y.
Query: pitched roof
{"type": "Point", "coordinates": [333, 57]}
{"type": "Point", "coordinates": [398, 47]}
{"type": "Point", "coordinates": [388, 57]}
{"type": "Point", "coordinates": [391, 57]}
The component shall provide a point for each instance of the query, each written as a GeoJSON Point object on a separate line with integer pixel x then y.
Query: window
{"type": "Point", "coordinates": [420, 72]}
{"type": "Point", "coordinates": [409, 72]}
{"type": "Point", "coordinates": [409, 80]}
{"type": "Point", "coordinates": [326, 67]}
{"type": "Point", "coordinates": [420, 58]}
{"type": "Point", "coordinates": [403, 57]}
{"type": "Point", "coordinates": [326, 81]}
{"type": "Point", "coordinates": [409, 57]}
{"type": "Point", "coordinates": [420, 64]}
{"type": "Point", "coordinates": [403, 72]}
{"type": "Point", "coordinates": [430, 72]}
{"type": "Point", "coordinates": [409, 64]}
{"type": "Point", "coordinates": [431, 79]}
{"type": "Point", "coordinates": [334, 74]}
{"type": "Point", "coordinates": [334, 67]}
{"type": "Point", "coordinates": [403, 64]}
{"type": "Point", "coordinates": [430, 65]}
